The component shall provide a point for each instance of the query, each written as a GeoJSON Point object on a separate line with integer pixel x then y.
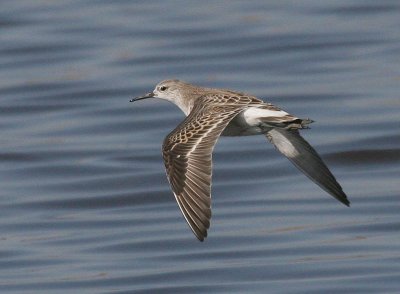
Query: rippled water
{"type": "Point", "coordinates": [84, 204]}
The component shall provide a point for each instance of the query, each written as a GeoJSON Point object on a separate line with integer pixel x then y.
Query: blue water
{"type": "Point", "coordinates": [85, 206]}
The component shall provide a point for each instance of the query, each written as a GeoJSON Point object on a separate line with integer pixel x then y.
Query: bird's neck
{"type": "Point", "coordinates": [186, 105]}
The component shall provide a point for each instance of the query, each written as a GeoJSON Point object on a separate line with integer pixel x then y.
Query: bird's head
{"type": "Point", "coordinates": [178, 92]}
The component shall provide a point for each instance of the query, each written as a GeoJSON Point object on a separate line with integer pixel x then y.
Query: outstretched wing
{"type": "Point", "coordinates": [306, 159]}
{"type": "Point", "coordinates": [187, 153]}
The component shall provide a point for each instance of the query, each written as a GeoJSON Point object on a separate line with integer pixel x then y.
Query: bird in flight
{"type": "Point", "coordinates": [210, 113]}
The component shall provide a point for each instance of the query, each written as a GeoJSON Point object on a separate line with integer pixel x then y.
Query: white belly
{"type": "Point", "coordinates": [252, 115]}
{"type": "Point", "coordinates": [248, 122]}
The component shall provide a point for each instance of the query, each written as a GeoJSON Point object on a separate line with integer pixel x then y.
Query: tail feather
{"type": "Point", "coordinates": [299, 124]}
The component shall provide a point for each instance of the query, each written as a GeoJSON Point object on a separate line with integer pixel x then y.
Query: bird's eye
{"type": "Point", "coordinates": [163, 88]}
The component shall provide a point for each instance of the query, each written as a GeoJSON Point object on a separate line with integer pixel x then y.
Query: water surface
{"type": "Point", "coordinates": [84, 203]}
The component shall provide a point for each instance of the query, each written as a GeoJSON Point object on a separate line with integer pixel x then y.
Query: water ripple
{"type": "Point", "coordinates": [85, 205]}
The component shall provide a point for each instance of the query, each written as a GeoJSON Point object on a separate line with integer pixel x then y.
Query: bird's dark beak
{"type": "Point", "coordinates": [148, 95]}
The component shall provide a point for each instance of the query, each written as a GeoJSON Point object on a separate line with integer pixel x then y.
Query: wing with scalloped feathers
{"type": "Point", "coordinates": [187, 153]}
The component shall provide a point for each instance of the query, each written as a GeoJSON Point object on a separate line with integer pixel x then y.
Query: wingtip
{"type": "Point", "coordinates": [201, 238]}
{"type": "Point", "coordinates": [345, 201]}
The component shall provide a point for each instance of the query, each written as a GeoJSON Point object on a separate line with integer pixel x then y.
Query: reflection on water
{"type": "Point", "coordinates": [85, 205]}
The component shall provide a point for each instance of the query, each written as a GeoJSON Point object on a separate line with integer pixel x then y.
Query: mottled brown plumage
{"type": "Point", "coordinates": [187, 150]}
{"type": "Point", "coordinates": [187, 153]}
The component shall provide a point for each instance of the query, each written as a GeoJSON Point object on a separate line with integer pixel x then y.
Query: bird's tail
{"type": "Point", "coordinates": [299, 124]}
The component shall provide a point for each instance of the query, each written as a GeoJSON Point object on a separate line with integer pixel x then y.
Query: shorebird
{"type": "Point", "coordinates": [187, 150]}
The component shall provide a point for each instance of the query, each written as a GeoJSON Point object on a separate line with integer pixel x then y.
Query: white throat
{"type": "Point", "coordinates": [184, 104]}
